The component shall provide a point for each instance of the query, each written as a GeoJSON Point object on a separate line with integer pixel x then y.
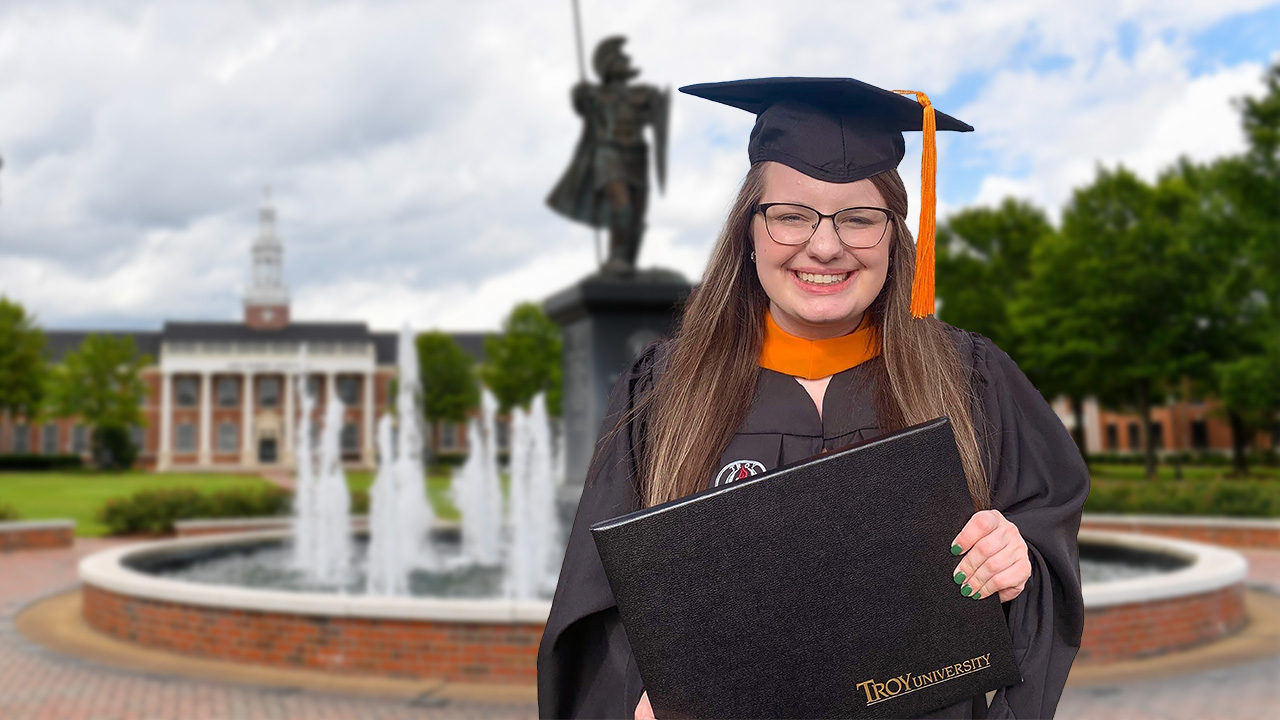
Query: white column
{"type": "Point", "coordinates": [330, 386]}
{"type": "Point", "coordinates": [206, 418]}
{"type": "Point", "coordinates": [164, 455]}
{"type": "Point", "coordinates": [246, 420]}
{"type": "Point", "coordinates": [286, 455]}
{"type": "Point", "coordinates": [366, 447]}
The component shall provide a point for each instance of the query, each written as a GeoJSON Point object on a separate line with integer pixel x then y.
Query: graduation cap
{"type": "Point", "coordinates": [841, 130]}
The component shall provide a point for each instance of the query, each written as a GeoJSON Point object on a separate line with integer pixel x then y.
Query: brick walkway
{"type": "Point", "coordinates": [36, 684]}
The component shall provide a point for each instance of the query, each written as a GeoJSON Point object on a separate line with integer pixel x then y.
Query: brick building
{"type": "Point", "coordinates": [223, 395]}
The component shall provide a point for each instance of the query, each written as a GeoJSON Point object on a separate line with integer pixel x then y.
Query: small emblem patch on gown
{"type": "Point", "coordinates": [738, 470]}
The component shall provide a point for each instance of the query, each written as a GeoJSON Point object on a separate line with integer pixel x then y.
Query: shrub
{"type": "Point", "coordinates": [39, 462]}
{"type": "Point", "coordinates": [113, 448]}
{"type": "Point", "coordinates": [8, 512]}
{"type": "Point", "coordinates": [1218, 497]}
{"type": "Point", "coordinates": [155, 511]}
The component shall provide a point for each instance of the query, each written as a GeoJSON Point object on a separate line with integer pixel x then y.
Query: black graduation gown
{"type": "Point", "coordinates": [1038, 481]}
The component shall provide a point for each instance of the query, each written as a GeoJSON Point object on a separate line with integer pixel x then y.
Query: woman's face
{"type": "Point", "coordinates": [821, 288]}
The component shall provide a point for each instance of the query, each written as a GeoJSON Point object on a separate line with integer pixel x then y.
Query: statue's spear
{"type": "Point", "coordinates": [582, 75]}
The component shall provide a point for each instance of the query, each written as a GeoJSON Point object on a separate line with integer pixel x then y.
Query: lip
{"type": "Point", "coordinates": [813, 289]}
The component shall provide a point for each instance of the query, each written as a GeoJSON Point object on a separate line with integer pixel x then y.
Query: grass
{"type": "Point", "coordinates": [78, 495]}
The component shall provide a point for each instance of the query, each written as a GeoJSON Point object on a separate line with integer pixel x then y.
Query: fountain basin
{"type": "Point", "coordinates": [1197, 597]}
{"type": "Point", "coordinates": [473, 640]}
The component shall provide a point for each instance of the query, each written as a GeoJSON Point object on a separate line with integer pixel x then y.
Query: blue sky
{"type": "Point", "coordinates": [410, 145]}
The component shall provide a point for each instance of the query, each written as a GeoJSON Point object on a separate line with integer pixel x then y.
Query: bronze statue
{"type": "Point", "coordinates": [607, 182]}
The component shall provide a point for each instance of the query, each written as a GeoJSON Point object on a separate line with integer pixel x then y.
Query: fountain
{"type": "Point", "coordinates": [468, 601]}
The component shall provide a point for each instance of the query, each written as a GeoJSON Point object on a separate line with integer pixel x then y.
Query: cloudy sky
{"type": "Point", "coordinates": [410, 145]}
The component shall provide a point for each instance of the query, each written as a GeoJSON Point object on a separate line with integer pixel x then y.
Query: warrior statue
{"type": "Point", "coordinates": [607, 183]}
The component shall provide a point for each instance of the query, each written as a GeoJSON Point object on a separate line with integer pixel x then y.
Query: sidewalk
{"type": "Point", "coordinates": [38, 684]}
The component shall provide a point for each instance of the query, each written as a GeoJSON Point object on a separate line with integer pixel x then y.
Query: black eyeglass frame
{"type": "Point", "coordinates": [888, 214]}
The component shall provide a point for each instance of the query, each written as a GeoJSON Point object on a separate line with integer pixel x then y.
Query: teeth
{"type": "Point", "coordinates": [822, 279]}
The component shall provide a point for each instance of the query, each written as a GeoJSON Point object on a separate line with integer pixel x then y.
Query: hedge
{"type": "Point", "coordinates": [8, 512]}
{"type": "Point", "coordinates": [1212, 459]}
{"type": "Point", "coordinates": [40, 462]}
{"type": "Point", "coordinates": [1221, 497]}
{"type": "Point", "coordinates": [155, 511]}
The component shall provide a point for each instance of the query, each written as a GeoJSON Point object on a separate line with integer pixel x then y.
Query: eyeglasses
{"type": "Point", "coordinates": [793, 224]}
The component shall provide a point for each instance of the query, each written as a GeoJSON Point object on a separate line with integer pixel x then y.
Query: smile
{"type": "Point", "coordinates": [822, 279]}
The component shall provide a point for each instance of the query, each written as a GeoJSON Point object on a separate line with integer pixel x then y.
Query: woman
{"type": "Point", "coordinates": [810, 331]}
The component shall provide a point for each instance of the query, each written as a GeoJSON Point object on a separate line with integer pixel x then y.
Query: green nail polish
{"type": "Point", "coordinates": [966, 591]}
{"type": "Point", "coordinates": [955, 550]}
{"type": "Point", "coordinates": [959, 578]}
{"type": "Point", "coordinates": [977, 595]}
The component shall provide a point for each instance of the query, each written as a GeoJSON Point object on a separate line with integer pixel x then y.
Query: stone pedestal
{"type": "Point", "coordinates": [606, 321]}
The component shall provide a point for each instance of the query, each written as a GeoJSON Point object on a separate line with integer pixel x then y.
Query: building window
{"type": "Point", "coordinates": [144, 395]}
{"type": "Point", "coordinates": [350, 439]}
{"type": "Point", "coordinates": [49, 439]}
{"type": "Point", "coordinates": [448, 436]}
{"type": "Point", "coordinates": [138, 436]}
{"type": "Point", "coordinates": [187, 391]}
{"type": "Point", "coordinates": [228, 391]}
{"type": "Point", "coordinates": [269, 392]}
{"type": "Point", "coordinates": [502, 429]}
{"type": "Point", "coordinates": [1113, 437]}
{"type": "Point", "coordinates": [227, 436]}
{"type": "Point", "coordinates": [185, 437]}
{"type": "Point", "coordinates": [79, 439]}
{"type": "Point", "coordinates": [1135, 437]}
{"type": "Point", "coordinates": [1199, 434]}
{"type": "Point", "coordinates": [21, 438]}
{"type": "Point", "coordinates": [349, 390]}
{"type": "Point", "coordinates": [1157, 435]}
{"type": "Point", "coordinates": [313, 385]}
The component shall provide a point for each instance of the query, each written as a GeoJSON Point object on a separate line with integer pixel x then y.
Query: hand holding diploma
{"type": "Point", "coordinates": [995, 557]}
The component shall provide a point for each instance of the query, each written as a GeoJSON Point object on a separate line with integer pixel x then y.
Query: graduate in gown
{"type": "Point", "coordinates": [807, 391]}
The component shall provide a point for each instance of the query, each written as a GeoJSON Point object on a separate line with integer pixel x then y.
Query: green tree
{"type": "Point", "coordinates": [1110, 302]}
{"type": "Point", "coordinates": [448, 378]}
{"type": "Point", "coordinates": [100, 382]}
{"type": "Point", "coordinates": [983, 255]}
{"type": "Point", "coordinates": [22, 362]}
{"type": "Point", "coordinates": [524, 360]}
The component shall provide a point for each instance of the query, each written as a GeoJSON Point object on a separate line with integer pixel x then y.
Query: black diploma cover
{"type": "Point", "coordinates": [822, 589]}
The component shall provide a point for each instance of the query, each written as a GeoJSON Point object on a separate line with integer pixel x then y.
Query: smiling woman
{"type": "Point", "coordinates": [812, 330]}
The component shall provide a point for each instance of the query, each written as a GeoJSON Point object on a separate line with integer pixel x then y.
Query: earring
{"type": "Point", "coordinates": [753, 256]}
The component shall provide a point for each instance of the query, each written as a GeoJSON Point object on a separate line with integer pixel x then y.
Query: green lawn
{"type": "Point", "coordinates": [78, 495]}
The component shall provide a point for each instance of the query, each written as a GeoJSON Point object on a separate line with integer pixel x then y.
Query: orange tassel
{"type": "Point", "coordinates": [922, 290]}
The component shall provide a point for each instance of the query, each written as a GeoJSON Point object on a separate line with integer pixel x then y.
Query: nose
{"type": "Point", "coordinates": [825, 244]}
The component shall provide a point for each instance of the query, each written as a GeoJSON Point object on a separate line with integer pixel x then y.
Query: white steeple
{"type": "Point", "coordinates": [267, 299]}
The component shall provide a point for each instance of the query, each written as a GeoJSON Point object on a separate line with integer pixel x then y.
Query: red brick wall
{"type": "Point", "coordinates": [468, 652]}
{"type": "Point", "coordinates": [1124, 632]}
{"type": "Point", "coordinates": [12, 539]}
{"type": "Point", "coordinates": [1228, 536]}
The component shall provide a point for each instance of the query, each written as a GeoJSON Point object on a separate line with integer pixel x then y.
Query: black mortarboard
{"type": "Point", "coordinates": [842, 130]}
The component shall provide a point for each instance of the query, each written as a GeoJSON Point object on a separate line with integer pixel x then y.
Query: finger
{"type": "Point", "coordinates": [979, 524]}
{"type": "Point", "coordinates": [994, 564]}
{"type": "Point", "coordinates": [644, 711]}
{"type": "Point", "coordinates": [986, 547]}
{"type": "Point", "coordinates": [1008, 582]}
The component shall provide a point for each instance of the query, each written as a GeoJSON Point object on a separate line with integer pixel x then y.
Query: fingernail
{"type": "Point", "coordinates": [977, 596]}
{"type": "Point", "coordinates": [966, 591]}
{"type": "Point", "coordinates": [955, 549]}
{"type": "Point", "coordinates": [959, 578]}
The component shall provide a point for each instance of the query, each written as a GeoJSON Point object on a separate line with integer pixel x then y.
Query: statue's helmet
{"type": "Point", "coordinates": [606, 52]}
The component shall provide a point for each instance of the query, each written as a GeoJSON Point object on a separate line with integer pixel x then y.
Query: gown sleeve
{"type": "Point", "coordinates": [585, 665]}
{"type": "Point", "coordinates": [1039, 482]}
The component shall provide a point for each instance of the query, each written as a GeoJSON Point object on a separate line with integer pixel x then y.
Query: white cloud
{"type": "Point", "coordinates": [411, 145]}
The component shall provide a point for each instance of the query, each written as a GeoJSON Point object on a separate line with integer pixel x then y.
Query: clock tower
{"type": "Point", "coordinates": [266, 304]}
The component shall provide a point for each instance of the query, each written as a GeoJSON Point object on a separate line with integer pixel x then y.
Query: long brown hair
{"type": "Point", "coordinates": [709, 378]}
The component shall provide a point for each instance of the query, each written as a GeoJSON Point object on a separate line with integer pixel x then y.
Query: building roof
{"type": "Point", "coordinates": [59, 342]}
